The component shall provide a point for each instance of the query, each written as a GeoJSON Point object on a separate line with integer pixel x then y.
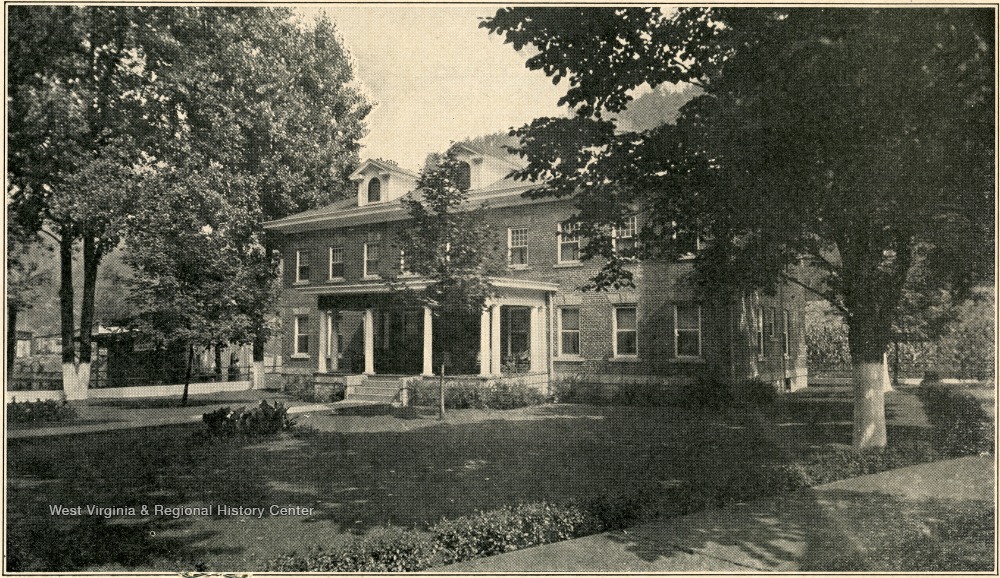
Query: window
{"type": "Point", "coordinates": [301, 266]}
{"type": "Point", "coordinates": [517, 246]}
{"type": "Point", "coordinates": [688, 244]}
{"type": "Point", "coordinates": [624, 237]}
{"type": "Point", "coordinates": [374, 190]}
{"type": "Point", "coordinates": [569, 243]}
{"type": "Point", "coordinates": [687, 330]}
{"type": "Point", "coordinates": [760, 332]}
{"type": "Point", "coordinates": [569, 331]}
{"type": "Point", "coordinates": [786, 328]}
{"type": "Point", "coordinates": [402, 263]}
{"type": "Point", "coordinates": [372, 254]}
{"type": "Point", "coordinates": [626, 333]}
{"type": "Point", "coordinates": [463, 176]}
{"type": "Point", "coordinates": [769, 315]}
{"type": "Point", "coordinates": [336, 262]}
{"type": "Point", "coordinates": [301, 337]}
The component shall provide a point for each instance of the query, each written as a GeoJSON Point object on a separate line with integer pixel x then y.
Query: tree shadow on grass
{"type": "Point", "coordinates": [823, 531]}
{"type": "Point", "coordinates": [357, 481]}
{"type": "Point", "coordinates": [41, 545]}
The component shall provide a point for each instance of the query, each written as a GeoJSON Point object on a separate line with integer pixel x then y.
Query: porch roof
{"type": "Point", "coordinates": [416, 283]}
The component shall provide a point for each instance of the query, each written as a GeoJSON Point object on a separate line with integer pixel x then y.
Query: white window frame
{"type": "Point", "coordinates": [559, 243]}
{"type": "Point", "coordinates": [381, 191]}
{"type": "Point", "coordinates": [511, 247]}
{"type": "Point", "coordinates": [677, 332]}
{"type": "Point", "coordinates": [297, 323]}
{"type": "Point", "coordinates": [560, 331]}
{"type": "Point", "coordinates": [403, 271]}
{"type": "Point", "coordinates": [331, 262]}
{"type": "Point", "coordinates": [298, 267]}
{"type": "Point", "coordinates": [631, 227]}
{"type": "Point", "coordinates": [614, 332]}
{"type": "Point", "coordinates": [364, 264]}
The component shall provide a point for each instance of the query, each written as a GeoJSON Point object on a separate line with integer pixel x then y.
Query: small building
{"type": "Point", "coordinates": [340, 322]}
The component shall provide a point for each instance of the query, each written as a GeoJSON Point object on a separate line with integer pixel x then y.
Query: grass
{"type": "Point", "coordinates": [359, 473]}
{"type": "Point", "coordinates": [95, 411]}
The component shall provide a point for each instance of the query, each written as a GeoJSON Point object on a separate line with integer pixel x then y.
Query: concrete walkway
{"type": "Point", "coordinates": [809, 530]}
{"type": "Point", "coordinates": [151, 418]}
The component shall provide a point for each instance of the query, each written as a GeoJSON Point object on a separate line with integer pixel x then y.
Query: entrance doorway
{"type": "Point", "coordinates": [515, 339]}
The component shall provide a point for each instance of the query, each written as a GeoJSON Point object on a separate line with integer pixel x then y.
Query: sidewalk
{"type": "Point", "coordinates": [149, 418]}
{"type": "Point", "coordinates": [829, 527]}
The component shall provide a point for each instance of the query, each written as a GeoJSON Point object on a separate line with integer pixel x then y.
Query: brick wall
{"type": "Point", "coordinates": [660, 287]}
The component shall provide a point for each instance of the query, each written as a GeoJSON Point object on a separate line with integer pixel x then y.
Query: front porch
{"type": "Point", "coordinates": [368, 332]}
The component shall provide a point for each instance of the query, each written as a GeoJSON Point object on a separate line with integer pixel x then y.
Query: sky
{"type": "Point", "coordinates": [435, 77]}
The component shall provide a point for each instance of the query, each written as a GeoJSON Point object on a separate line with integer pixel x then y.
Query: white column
{"type": "Point", "coordinates": [495, 340]}
{"type": "Point", "coordinates": [334, 346]}
{"type": "Point", "coordinates": [323, 332]}
{"type": "Point", "coordinates": [536, 339]}
{"type": "Point", "coordinates": [369, 331]}
{"type": "Point", "coordinates": [484, 342]}
{"type": "Point", "coordinates": [550, 337]}
{"type": "Point", "coordinates": [428, 342]}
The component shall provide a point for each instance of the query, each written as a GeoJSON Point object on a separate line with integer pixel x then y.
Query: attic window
{"type": "Point", "coordinates": [463, 177]}
{"type": "Point", "coordinates": [374, 190]}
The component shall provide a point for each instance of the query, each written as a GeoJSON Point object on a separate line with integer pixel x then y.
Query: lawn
{"type": "Point", "coordinates": [142, 409]}
{"type": "Point", "coordinates": [358, 473]}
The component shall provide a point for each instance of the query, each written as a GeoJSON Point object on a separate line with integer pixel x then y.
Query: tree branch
{"type": "Point", "coordinates": [840, 307]}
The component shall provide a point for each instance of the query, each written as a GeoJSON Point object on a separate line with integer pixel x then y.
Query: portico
{"type": "Point", "coordinates": [364, 328]}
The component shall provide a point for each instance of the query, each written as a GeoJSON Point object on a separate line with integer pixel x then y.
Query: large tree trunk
{"type": "Point", "coordinates": [70, 368]}
{"type": "Point", "coordinates": [867, 348]}
{"type": "Point", "coordinates": [91, 260]}
{"type": "Point", "coordinates": [11, 339]}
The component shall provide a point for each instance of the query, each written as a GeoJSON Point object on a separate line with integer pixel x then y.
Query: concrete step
{"type": "Point", "coordinates": [373, 398]}
{"type": "Point", "coordinates": [377, 388]}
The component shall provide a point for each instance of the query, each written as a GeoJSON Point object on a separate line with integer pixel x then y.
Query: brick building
{"type": "Point", "coordinates": [339, 324]}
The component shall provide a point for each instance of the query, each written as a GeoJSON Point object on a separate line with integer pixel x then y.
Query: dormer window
{"type": "Point", "coordinates": [374, 190]}
{"type": "Point", "coordinates": [463, 178]}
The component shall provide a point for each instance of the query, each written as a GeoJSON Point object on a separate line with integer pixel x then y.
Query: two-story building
{"type": "Point", "coordinates": [340, 321]}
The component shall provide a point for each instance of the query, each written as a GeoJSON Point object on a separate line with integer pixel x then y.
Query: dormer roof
{"type": "Point", "coordinates": [491, 183]}
{"type": "Point", "coordinates": [380, 165]}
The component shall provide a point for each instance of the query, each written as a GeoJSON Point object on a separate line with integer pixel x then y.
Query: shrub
{"type": "Point", "coordinates": [849, 463]}
{"type": "Point", "coordinates": [263, 419]}
{"type": "Point", "coordinates": [708, 393]}
{"type": "Point", "coordinates": [510, 528]}
{"type": "Point", "coordinates": [388, 550]}
{"type": "Point", "coordinates": [508, 395]}
{"type": "Point", "coordinates": [642, 395]}
{"type": "Point", "coordinates": [959, 424]}
{"type": "Point", "coordinates": [39, 411]}
{"type": "Point", "coordinates": [473, 394]}
{"type": "Point", "coordinates": [573, 389]}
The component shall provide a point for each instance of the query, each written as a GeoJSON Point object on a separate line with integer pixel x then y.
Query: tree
{"type": "Point", "coordinates": [270, 101]}
{"type": "Point", "coordinates": [85, 113]}
{"type": "Point", "coordinates": [449, 243]}
{"type": "Point", "coordinates": [100, 96]}
{"type": "Point", "coordinates": [191, 277]}
{"type": "Point", "coordinates": [843, 142]}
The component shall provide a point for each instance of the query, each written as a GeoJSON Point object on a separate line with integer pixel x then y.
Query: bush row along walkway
{"type": "Point", "coordinates": [837, 526]}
